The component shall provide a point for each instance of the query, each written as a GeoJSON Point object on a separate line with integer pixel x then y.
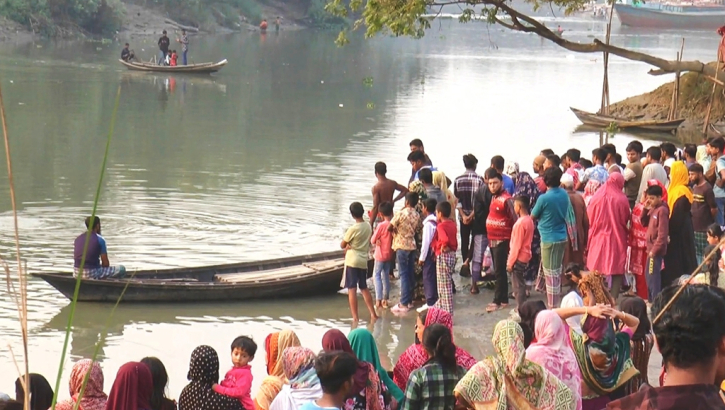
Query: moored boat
{"type": "Point", "coordinates": [671, 16]}
{"type": "Point", "coordinates": [604, 121]}
{"type": "Point", "coordinates": [201, 68]}
{"type": "Point", "coordinates": [291, 277]}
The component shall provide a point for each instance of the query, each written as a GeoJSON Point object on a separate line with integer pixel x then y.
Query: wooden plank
{"type": "Point", "coordinates": [325, 265]}
{"type": "Point", "coordinates": [272, 274]}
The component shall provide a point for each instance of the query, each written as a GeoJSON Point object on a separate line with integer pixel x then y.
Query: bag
{"type": "Point", "coordinates": [465, 271]}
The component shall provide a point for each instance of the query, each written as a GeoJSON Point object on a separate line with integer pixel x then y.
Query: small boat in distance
{"type": "Point", "coordinates": [290, 277]}
{"type": "Point", "coordinates": [604, 121]}
{"type": "Point", "coordinates": [682, 16]}
{"type": "Point", "coordinates": [201, 68]}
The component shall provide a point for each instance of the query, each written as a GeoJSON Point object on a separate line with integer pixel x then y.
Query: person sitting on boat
{"type": "Point", "coordinates": [96, 265]}
{"type": "Point", "coordinates": [126, 54]}
{"type": "Point", "coordinates": [174, 57]}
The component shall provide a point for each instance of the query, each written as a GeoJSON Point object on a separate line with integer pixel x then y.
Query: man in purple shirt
{"type": "Point", "coordinates": [94, 261]}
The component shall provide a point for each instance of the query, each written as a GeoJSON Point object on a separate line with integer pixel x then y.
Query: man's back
{"type": "Point", "coordinates": [385, 190]}
{"type": "Point", "coordinates": [436, 193]}
{"type": "Point", "coordinates": [686, 397]}
{"type": "Point", "coordinates": [93, 254]}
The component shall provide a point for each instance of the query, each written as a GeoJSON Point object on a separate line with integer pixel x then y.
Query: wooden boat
{"type": "Point", "coordinates": [202, 68]}
{"type": "Point", "coordinates": [671, 16]}
{"type": "Point", "coordinates": [297, 276]}
{"type": "Point", "coordinates": [604, 121]}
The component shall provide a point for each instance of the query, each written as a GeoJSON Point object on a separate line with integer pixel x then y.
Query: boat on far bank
{"type": "Point", "coordinates": [604, 121]}
{"type": "Point", "coordinates": [691, 16]}
{"type": "Point", "coordinates": [290, 277]}
{"type": "Point", "coordinates": [201, 68]}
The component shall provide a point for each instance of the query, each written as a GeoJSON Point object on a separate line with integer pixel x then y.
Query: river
{"type": "Point", "coordinates": [261, 161]}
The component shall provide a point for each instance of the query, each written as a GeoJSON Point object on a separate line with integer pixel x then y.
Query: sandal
{"type": "Point", "coordinates": [492, 307]}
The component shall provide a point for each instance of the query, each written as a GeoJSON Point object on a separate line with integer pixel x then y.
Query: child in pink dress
{"type": "Point", "coordinates": [237, 382]}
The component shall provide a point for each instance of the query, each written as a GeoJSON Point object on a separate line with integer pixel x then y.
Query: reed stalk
{"type": "Point", "coordinates": [74, 301]}
{"type": "Point", "coordinates": [20, 294]}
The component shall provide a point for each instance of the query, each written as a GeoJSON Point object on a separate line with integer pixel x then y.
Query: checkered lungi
{"type": "Point", "coordinates": [552, 256]}
{"type": "Point", "coordinates": [106, 272]}
{"type": "Point", "coordinates": [700, 244]}
{"type": "Point", "coordinates": [445, 263]}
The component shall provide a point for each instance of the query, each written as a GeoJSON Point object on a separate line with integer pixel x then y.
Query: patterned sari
{"type": "Point", "coordinates": [509, 381]}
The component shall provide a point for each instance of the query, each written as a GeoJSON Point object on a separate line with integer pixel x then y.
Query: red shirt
{"type": "Point", "coordinates": [501, 217]}
{"type": "Point", "coordinates": [446, 235]}
{"type": "Point", "coordinates": [383, 242]}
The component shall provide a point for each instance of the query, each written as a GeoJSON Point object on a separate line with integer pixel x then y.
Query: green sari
{"type": "Point", "coordinates": [363, 344]}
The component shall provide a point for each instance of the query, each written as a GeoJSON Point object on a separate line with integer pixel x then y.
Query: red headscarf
{"type": "Point", "coordinates": [653, 182]}
{"type": "Point", "coordinates": [132, 388]}
{"type": "Point", "coordinates": [270, 347]}
{"type": "Point", "coordinates": [335, 340]}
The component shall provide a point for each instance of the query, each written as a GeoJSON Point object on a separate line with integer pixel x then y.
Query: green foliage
{"type": "Point", "coordinates": [250, 9]}
{"type": "Point", "coordinates": [320, 17]}
{"type": "Point", "coordinates": [61, 17]}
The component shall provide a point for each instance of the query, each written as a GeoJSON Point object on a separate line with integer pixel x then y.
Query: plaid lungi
{"type": "Point", "coordinates": [552, 256]}
{"type": "Point", "coordinates": [445, 262]}
{"type": "Point", "coordinates": [700, 244]}
{"type": "Point", "coordinates": [106, 272]}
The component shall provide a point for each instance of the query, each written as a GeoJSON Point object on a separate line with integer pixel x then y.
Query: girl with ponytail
{"type": "Point", "coordinates": [431, 386]}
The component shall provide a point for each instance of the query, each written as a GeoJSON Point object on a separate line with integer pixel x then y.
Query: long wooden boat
{"type": "Point", "coordinates": [604, 121]}
{"type": "Point", "coordinates": [671, 16]}
{"type": "Point", "coordinates": [201, 68]}
{"type": "Point", "coordinates": [291, 277]}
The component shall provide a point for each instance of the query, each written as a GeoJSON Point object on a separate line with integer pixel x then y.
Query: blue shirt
{"type": "Point", "coordinates": [720, 165]}
{"type": "Point", "coordinates": [508, 184]}
{"type": "Point", "coordinates": [550, 210]}
{"type": "Point", "coordinates": [311, 405]}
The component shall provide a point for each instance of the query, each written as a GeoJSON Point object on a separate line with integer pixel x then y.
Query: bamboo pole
{"type": "Point", "coordinates": [604, 109]}
{"type": "Point", "coordinates": [706, 124]}
{"type": "Point", "coordinates": [676, 87]}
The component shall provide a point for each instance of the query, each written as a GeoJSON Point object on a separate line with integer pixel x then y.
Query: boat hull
{"type": "Point", "coordinates": [199, 284]}
{"type": "Point", "coordinates": [602, 121]}
{"type": "Point", "coordinates": [203, 68]}
{"type": "Point", "coordinates": [655, 18]}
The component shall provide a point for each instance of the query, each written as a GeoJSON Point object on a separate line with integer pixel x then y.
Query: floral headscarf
{"type": "Point", "coordinates": [526, 186]}
{"type": "Point", "coordinates": [510, 380]}
{"type": "Point", "coordinates": [93, 396]}
{"type": "Point", "coordinates": [512, 169]}
{"type": "Point", "coordinates": [299, 367]}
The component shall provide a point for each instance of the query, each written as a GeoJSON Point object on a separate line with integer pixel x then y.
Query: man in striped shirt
{"type": "Point", "coordinates": [465, 188]}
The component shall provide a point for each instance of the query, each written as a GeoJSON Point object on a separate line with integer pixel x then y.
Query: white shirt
{"type": "Point", "coordinates": [572, 299]}
{"type": "Point", "coordinates": [429, 231]}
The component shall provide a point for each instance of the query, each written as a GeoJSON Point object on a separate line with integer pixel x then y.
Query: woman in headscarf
{"type": "Point", "coordinates": [680, 258]}
{"type": "Point", "coordinates": [159, 401]}
{"type": "Point", "coordinates": [609, 216]}
{"type": "Point", "coordinates": [641, 342]}
{"type": "Point", "coordinates": [526, 186]}
{"type": "Point", "coordinates": [603, 354]}
{"type": "Point", "coordinates": [590, 189]}
{"type": "Point", "coordinates": [366, 382]}
{"type": "Point", "coordinates": [41, 394]}
{"type": "Point", "coordinates": [576, 254]}
{"type": "Point", "coordinates": [203, 374]}
{"type": "Point", "coordinates": [93, 396]}
{"type": "Point", "coordinates": [415, 356]}
{"type": "Point", "coordinates": [638, 243]}
{"type": "Point", "coordinates": [364, 347]}
{"type": "Point", "coordinates": [302, 384]}
{"type": "Point", "coordinates": [508, 381]}
{"type": "Point", "coordinates": [552, 351]}
{"type": "Point", "coordinates": [527, 313]}
{"type": "Point", "coordinates": [440, 180]}
{"type": "Point", "coordinates": [132, 388]}
{"type": "Point", "coordinates": [274, 346]}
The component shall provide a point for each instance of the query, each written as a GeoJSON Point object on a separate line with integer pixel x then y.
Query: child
{"type": "Point", "coordinates": [404, 226]}
{"type": "Point", "coordinates": [357, 245]}
{"type": "Point", "coordinates": [520, 252]}
{"type": "Point", "coordinates": [427, 257]}
{"type": "Point", "coordinates": [174, 57]}
{"type": "Point", "coordinates": [656, 217]}
{"type": "Point", "coordinates": [237, 382]}
{"type": "Point", "coordinates": [445, 244]}
{"type": "Point", "coordinates": [383, 241]}
{"type": "Point", "coordinates": [335, 370]}
{"type": "Point", "coordinates": [712, 267]}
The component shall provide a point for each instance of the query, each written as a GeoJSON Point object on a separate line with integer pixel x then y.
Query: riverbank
{"type": "Point", "coordinates": [695, 91]}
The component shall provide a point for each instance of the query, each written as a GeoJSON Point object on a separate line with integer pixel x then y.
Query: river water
{"type": "Point", "coordinates": [261, 161]}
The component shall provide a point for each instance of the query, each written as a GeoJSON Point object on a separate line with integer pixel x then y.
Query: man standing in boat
{"type": "Point", "coordinates": [184, 40]}
{"type": "Point", "coordinates": [163, 47]}
{"type": "Point", "coordinates": [96, 265]}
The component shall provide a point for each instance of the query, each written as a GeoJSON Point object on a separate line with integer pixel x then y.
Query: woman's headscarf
{"type": "Point", "coordinates": [653, 182]}
{"type": "Point", "coordinates": [603, 355]}
{"type": "Point", "coordinates": [277, 343]}
{"type": "Point", "coordinates": [439, 180]}
{"type": "Point", "coordinates": [551, 350]}
{"type": "Point", "coordinates": [528, 312]}
{"type": "Point", "coordinates": [637, 307]}
{"type": "Point", "coordinates": [41, 394]}
{"type": "Point", "coordinates": [363, 344]}
{"type": "Point", "coordinates": [132, 388]}
{"type": "Point", "coordinates": [335, 340]}
{"type": "Point", "coordinates": [592, 187]}
{"type": "Point", "coordinates": [93, 396]}
{"type": "Point", "coordinates": [678, 185]}
{"type": "Point", "coordinates": [415, 356]}
{"type": "Point", "coordinates": [203, 373]}
{"type": "Point", "coordinates": [526, 186]}
{"type": "Point", "coordinates": [510, 380]}
{"type": "Point", "coordinates": [304, 386]}
{"type": "Point", "coordinates": [512, 170]}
